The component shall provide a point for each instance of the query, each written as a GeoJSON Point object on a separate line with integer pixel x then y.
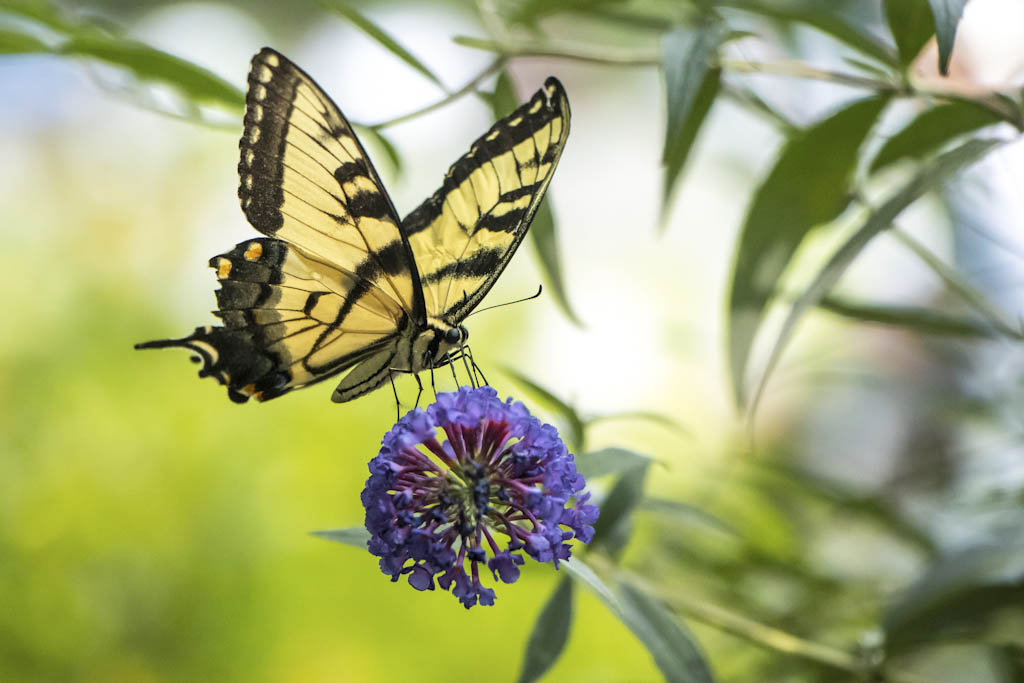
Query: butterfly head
{"type": "Point", "coordinates": [435, 342]}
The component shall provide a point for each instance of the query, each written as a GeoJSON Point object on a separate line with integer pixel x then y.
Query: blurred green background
{"type": "Point", "coordinates": [151, 530]}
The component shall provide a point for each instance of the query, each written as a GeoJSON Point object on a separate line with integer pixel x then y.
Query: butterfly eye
{"type": "Point", "coordinates": [453, 335]}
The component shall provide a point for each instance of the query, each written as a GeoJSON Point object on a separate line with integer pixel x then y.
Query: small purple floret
{"type": "Point", "coordinates": [467, 482]}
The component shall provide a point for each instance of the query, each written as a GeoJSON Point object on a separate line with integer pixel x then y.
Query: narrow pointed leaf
{"type": "Point", "coordinates": [922, 320]}
{"type": "Point", "coordinates": [673, 647]}
{"type": "Point", "coordinates": [685, 512]}
{"type": "Point", "coordinates": [552, 404]}
{"type": "Point", "coordinates": [912, 24]}
{"type": "Point", "coordinates": [380, 36]}
{"type": "Point", "coordinates": [638, 622]}
{"type": "Point", "coordinates": [550, 633]}
{"type": "Point", "coordinates": [929, 178]}
{"type": "Point", "coordinates": [610, 461]}
{"type": "Point", "coordinates": [356, 536]}
{"type": "Point", "coordinates": [545, 243]}
{"type": "Point", "coordinates": [385, 144]}
{"type": "Point", "coordinates": [947, 15]}
{"type": "Point", "coordinates": [808, 186]}
{"type": "Point", "coordinates": [931, 130]}
{"type": "Point", "coordinates": [150, 64]}
{"type": "Point", "coordinates": [15, 42]}
{"type": "Point", "coordinates": [542, 231]}
{"type": "Point", "coordinates": [957, 594]}
{"type": "Point", "coordinates": [615, 523]}
{"type": "Point", "coordinates": [691, 85]}
{"type": "Point", "coordinates": [827, 22]}
{"type": "Point", "coordinates": [43, 11]}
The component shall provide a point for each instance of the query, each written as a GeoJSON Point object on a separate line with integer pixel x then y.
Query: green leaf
{"type": "Point", "coordinates": [809, 185]}
{"type": "Point", "coordinates": [827, 22]}
{"type": "Point", "coordinates": [356, 536]}
{"type": "Point", "coordinates": [691, 86]}
{"type": "Point", "coordinates": [685, 512]}
{"type": "Point", "coordinates": [643, 415]}
{"type": "Point", "coordinates": [947, 15]}
{"type": "Point", "coordinates": [931, 130]}
{"type": "Point", "coordinates": [542, 230]}
{"type": "Point", "coordinates": [930, 177]}
{"type": "Point", "coordinates": [957, 595]}
{"type": "Point", "coordinates": [371, 133]}
{"type": "Point", "coordinates": [649, 628]}
{"type": "Point", "coordinates": [911, 24]}
{"type": "Point", "coordinates": [15, 42]}
{"type": "Point", "coordinates": [378, 34]}
{"type": "Point", "coordinates": [550, 633]}
{"type": "Point", "coordinates": [610, 461]}
{"type": "Point", "coordinates": [922, 320]}
{"type": "Point", "coordinates": [150, 64]}
{"type": "Point", "coordinates": [552, 404]}
{"type": "Point", "coordinates": [545, 244]}
{"type": "Point", "coordinates": [42, 11]}
{"type": "Point", "coordinates": [615, 522]}
{"type": "Point", "coordinates": [673, 647]}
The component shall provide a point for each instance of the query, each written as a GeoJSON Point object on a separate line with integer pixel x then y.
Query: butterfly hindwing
{"type": "Point", "coordinates": [464, 235]}
{"type": "Point", "coordinates": [283, 328]}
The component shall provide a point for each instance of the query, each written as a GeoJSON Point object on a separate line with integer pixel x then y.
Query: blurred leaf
{"type": "Point", "coordinates": [369, 132]}
{"type": "Point", "coordinates": [932, 129]}
{"type": "Point", "coordinates": [784, 481]}
{"type": "Point", "coordinates": [958, 593]}
{"type": "Point", "coordinates": [644, 415]}
{"type": "Point", "coordinates": [545, 243]}
{"type": "Point", "coordinates": [542, 230]}
{"type": "Point", "coordinates": [691, 86]}
{"type": "Point", "coordinates": [378, 34]}
{"type": "Point", "coordinates": [610, 461]}
{"type": "Point", "coordinates": [922, 320]}
{"type": "Point", "coordinates": [150, 64]}
{"type": "Point", "coordinates": [911, 24]}
{"type": "Point", "coordinates": [615, 523]}
{"type": "Point", "coordinates": [933, 175]}
{"type": "Point", "coordinates": [45, 12]}
{"type": "Point", "coordinates": [808, 186]}
{"type": "Point", "coordinates": [827, 22]}
{"type": "Point", "coordinates": [685, 512]}
{"type": "Point", "coordinates": [550, 633]}
{"type": "Point", "coordinates": [552, 404]}
{"type": "Point", "coordinates": [947, 15]}
{"type": "Point", "coordinates": [356, 536]}
{"type": "Point", "coordinates": [673, 647]}
{"type": "Point", "coordinates": [528, 12]}
{"type": "Point", "coordinates": [14, 42]}
{"type": "Point", "coordinates": [648, 627]}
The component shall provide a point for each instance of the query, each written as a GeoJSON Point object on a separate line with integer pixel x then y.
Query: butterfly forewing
{"type": "Point", "coordinates": [464, 235]}
{"type": "Point", "coordinates": [305, 179]}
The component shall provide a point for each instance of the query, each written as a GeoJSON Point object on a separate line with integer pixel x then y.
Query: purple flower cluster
{"type": "Point", "coordinates": [499, 478]}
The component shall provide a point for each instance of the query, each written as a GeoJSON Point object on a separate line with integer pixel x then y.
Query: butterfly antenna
{"type": "Point", "coordinates": [540, 288]}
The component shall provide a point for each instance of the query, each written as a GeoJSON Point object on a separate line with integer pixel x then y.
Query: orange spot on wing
{"type": "Point", "coordinates": [254, 251]}
{"type": "Point", "coordinates": [223, 268]}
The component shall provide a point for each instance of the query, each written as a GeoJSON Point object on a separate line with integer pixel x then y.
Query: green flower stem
{"type": "Point", "coordinates": [470, 86]}
{"type": "Point", "coordinates": [753, 631]}
{"type": "Point", "coordinates": [953, 280]}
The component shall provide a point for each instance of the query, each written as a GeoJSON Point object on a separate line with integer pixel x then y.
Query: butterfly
{"type": "Point", "coordinates": [340, 283]}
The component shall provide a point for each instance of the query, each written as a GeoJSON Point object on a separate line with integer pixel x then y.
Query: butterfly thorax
{"type": "Point", "coordinates": [432, 343]}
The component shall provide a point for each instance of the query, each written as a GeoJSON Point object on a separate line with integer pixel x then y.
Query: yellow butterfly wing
{"type": "Point", "coordinates": [334, 285]}
{"type": "Point", "coordinates": [464, 235]}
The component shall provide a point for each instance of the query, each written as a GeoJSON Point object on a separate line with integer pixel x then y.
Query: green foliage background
{"type": "Point", "coordinates": [150, 530]}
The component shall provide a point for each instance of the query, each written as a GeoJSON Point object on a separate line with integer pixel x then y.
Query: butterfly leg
{"type": "Point", "coordinates": [420, 392]}
{"type": "Point", "coordinates": [476, 368]}
{"type": "Point", "coordinates": [394, 390]}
